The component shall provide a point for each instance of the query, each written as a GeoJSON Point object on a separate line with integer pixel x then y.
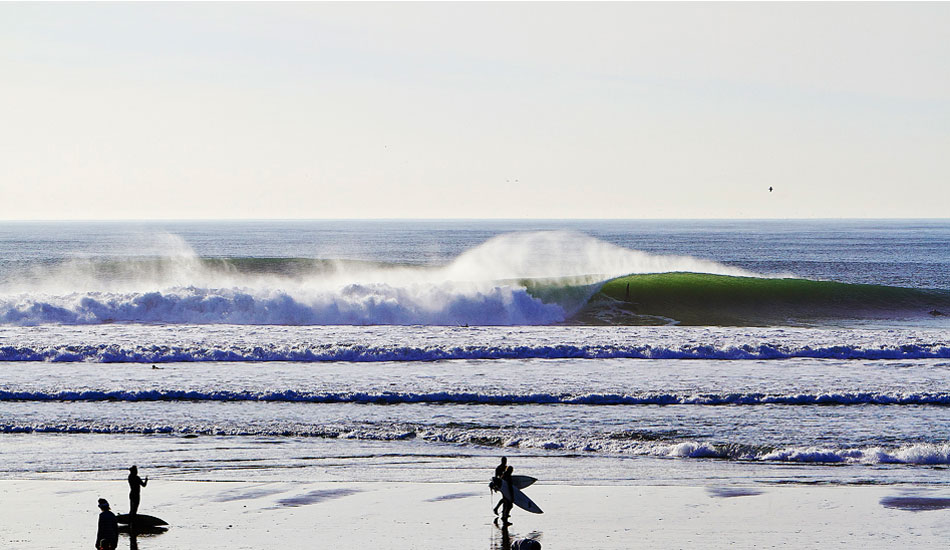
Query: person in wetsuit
{"type": "Point", "coordinates": [135, 489]}
{"type": "Point", "coordinates": [495, 484]}
{"type": "Point", "coordinates": [107, 534]}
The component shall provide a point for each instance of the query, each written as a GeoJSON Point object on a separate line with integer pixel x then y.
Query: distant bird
{"type": "Point", "coordinates": [770, 189]}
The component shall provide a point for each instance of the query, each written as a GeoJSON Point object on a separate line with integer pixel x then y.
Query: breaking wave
{"type": "Point", "coordinates": [615, 444]}
{"type": "Point", "coordinates": [714, 299]}
{"type": "Point", "coordinates": [536, 278]}
{"type": "Point", "coordinates": [115, 353]}
{"type": "Point", "coordinates": [487, 285]}
{"type": "Point", "coordinates": [467, 398]}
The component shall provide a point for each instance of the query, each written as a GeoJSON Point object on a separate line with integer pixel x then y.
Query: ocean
{"type": "Point", "coordinates": [588, 352]}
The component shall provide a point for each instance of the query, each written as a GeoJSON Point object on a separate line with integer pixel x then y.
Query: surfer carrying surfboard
{"type": "Point", "coordinates": [135, 485]}
{"type": "Point", "coordinates": [495, 484]}
{"type": "Point", "coordinates": [510, 488]}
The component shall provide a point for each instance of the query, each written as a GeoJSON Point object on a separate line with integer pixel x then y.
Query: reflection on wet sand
{"type": "Point", "coordinates": [502, 539]}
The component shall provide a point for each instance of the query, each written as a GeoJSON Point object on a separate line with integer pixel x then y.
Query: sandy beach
{"type": "Point", "coordinates": [239, 515]}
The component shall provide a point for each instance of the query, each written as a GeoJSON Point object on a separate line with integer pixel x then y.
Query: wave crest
{"type": "Point", "coordinates": [487, 285]}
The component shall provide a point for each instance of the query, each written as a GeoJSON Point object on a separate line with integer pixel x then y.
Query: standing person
{"type": "Point", "coordinates": [135, 493]}
{"type": "Point", "coordinates": [107, 535]}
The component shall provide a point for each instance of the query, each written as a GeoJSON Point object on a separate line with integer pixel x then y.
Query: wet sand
{"type": "Point", "coordinates": [239, 515]}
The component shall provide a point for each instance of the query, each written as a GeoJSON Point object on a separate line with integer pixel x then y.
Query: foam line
{"type": "Point", "coordinates": [920, 454]}
{"type": "Point", "coordinates": [467, 398]}
{"type": "Point", "coordinates": [114, 353]}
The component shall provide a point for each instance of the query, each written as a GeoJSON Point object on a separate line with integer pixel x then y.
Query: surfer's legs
{"type": "Point", "coordinates": [495, 509]}
{"type": "Point", "coordinates": [133, 503]}
{"type": "Point", "coordinates": [505, 511]}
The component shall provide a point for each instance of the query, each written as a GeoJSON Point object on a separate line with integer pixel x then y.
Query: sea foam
{"type": "Point", "coordinates": [482, 286]}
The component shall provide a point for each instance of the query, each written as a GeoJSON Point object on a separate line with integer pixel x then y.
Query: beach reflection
{"type": "Point", "coordinates": [502, 537]}
{"type": "Point", "coordinates": [135, 533]}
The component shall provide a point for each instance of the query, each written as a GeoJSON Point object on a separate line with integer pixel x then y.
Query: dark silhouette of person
{"type": "Point", "coordinates": [500, 469]}
{"type": "Point", "coordinates": [495, 484]}
{"type": "Point", "coordinates": [135, 493]}
{"type": "Point", "coordinates": [506, 504]}
{"type": "Point", "coordinates": [107, 534]}
{"type": "Point", "coordinates": [526, 544]}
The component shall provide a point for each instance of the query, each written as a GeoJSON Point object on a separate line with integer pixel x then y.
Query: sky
{"type": "Point", "coordinates": [474, 110]}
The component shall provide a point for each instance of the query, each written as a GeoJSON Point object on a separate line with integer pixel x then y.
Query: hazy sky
{"type": "Point", "coordinates": [443, 110]}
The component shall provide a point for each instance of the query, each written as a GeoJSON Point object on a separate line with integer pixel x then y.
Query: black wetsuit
{"type": "Point", "coordinates": [135, 493]}
{"type": "Point", "coordinates": [108, 528]}
{"type": "Point", "coordinates": [496, 481]}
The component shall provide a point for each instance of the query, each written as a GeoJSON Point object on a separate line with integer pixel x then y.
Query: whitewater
{"type": "Point", "coordinates": [757, 352]}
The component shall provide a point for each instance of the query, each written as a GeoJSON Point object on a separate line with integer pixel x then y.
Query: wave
{"type": "Point", "coordinates": [714, 299]}
{"type": "Point", "coordinates": [614, 444]}
{"type": "Point", "coordinates": [482, 286]}
{"type": "Point", "coordinates": [115, 353]}
{"type": "Point", "coordinates": [467, 398]}
{"type": "Point", "coordinates": [535, 278]}
{"type": "Point", "coordinates": [354, 304]}
{"type": "Point", "coordinates": [922, 454]}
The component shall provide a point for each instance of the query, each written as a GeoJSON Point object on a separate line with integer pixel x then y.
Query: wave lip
{"type": "Point", "coordinates": [469, 398]}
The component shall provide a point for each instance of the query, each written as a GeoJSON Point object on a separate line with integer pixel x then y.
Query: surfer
{"type": "Point", "coordinates": [500, 469]}
{"type": "Point", "coordinates": [135, 485]}
{"type": "Point", "coordinates": [495, 484]}
{"type": "Point", "coordinates": [107, 534]}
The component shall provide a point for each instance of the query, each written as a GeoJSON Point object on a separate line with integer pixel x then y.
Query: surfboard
{"type": "Point", "coordinates": [519, 499]}
{"type": "Point", "coordinates": [141, 520]}
{"type": "Point", "coordinates": [520, 482]}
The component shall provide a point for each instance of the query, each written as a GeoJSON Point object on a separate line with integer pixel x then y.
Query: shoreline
{"type": "Point", "coordinates": [421, 516]}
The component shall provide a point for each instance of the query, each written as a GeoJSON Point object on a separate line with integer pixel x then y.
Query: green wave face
{"type": "Point", "coordinates": [704, 299]}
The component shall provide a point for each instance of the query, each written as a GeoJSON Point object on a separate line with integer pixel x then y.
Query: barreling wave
{"type": "Point", "coordinates": [714, 299]}
{"type": "Point", "coordinates": [468, 398]}
{"type": "Point", "coordinates": [538, 278]}
{"type": "Point", "coordinates": [115, 353]}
